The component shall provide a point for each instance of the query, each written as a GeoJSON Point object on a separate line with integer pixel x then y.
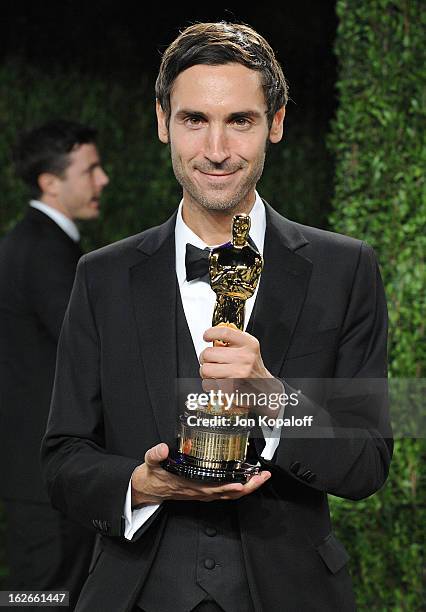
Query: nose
{"type": "Point", "coordinates": [102, 178]}
{"type": "Point", "coordinates": [216, 147]}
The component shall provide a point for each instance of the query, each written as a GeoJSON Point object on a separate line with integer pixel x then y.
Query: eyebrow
{"type": "Point", "coordinates": [185, 112]}
{"type": "Point", "coordinates": [247, 113]}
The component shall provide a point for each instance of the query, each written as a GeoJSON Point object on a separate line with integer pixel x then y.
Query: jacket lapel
{"type": "Point", "coordinates": [153, 286]}
{"type": "Point", "coordinates": [282, 290]}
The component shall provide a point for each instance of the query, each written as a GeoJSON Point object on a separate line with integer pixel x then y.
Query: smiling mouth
{"type": "Point", "coordinates": [217, 174]}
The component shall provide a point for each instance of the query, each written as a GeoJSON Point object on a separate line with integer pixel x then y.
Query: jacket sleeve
{"type": "Point", "coordinates": [73, 452]}
{"type": "Point", "coordinates": [348, 448]}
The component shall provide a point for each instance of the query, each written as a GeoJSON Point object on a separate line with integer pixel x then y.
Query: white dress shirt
{"type": "Point", "coordinates": [198, 300]}
{"type": "Point", "coordinates": [66, 224]}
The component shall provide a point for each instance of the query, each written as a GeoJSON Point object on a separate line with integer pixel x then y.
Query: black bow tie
{"type": "Point", "coordinates": [197, 261]}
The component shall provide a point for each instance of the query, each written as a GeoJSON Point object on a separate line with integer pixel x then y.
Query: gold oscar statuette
{"type": "Point", "coordinates": [213, 437]}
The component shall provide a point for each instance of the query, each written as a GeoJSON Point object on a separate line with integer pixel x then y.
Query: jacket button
{"type": "Point", "coordinates": [294, 467]}
{"type": "Point", "coordinates": [210, 531]}
{"type": "Point", "coordinates": [308, 475]}
{"type": "Point", "coordinates": [209, 564]}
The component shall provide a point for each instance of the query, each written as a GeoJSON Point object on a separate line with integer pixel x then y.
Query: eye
{"type": "Point", "coordinates": [241, 122]}
{"type": "Point", "coordinates": [194, 121]}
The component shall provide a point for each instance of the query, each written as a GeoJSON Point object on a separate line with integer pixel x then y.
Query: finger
{"type": "Point", "coordinates": [216, 354]}
{"type": "Point", "coordinates": [213, 491]}
{"type": "Point", "coordinates": [234, 337]}
{"type": "Point", "coordinates": [254, 483]}
{"type": "Point", "coordinates": [209, 384]}
{"type": "Point", "coordinates": [232, 487]}
{"type": "Point", "coordinates": [155, 455]}
{"type": "Point", "coordinates": [202, 492]}
{"type": "Point", "coordinates": [225, 385]}
{"type": "Point", "coordinates": [220, 370]}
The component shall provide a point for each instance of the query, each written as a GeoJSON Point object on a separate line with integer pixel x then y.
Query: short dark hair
{"type": "Point", "coordinates": [46, 149]}
{"type": "Point", "coordinates": [220, 43]}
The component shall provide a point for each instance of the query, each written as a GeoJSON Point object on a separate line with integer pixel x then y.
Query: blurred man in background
{"type": "Point", "coordinates": [60, 165]}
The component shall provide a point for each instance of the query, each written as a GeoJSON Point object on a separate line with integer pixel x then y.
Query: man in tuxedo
{"type": "Point", "coordinates": [60, 165]}
{"type": "Point", "coordinates": [139, 318]}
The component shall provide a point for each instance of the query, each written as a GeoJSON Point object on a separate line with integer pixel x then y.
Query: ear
{"type": "Point", "coordinates": [49, 183]}
{"type": "Point", "coordinates": [276, 131]}
{"type": "Point", "coordinates": [163, 132]}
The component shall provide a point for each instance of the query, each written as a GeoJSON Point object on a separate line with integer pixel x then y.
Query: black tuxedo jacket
{"type": "Point", "coordinates": [37, 268]}
{"type": "Point", "coordinates": [320, 313]}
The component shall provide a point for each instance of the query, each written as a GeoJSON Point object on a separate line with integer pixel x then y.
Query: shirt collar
{"type": "Point", "coordinates": [183, 235]}
{"type": "Point", "coordinates": [66, 224]}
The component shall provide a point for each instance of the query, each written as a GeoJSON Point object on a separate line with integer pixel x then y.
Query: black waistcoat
{"type": "Point", "coordinates": [200, 552]}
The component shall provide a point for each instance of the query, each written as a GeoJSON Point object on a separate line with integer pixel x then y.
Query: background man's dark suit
{"type": "Point", "coordinates": [320, 312]}
{"type": "Point", "coordinates": [37, 267]}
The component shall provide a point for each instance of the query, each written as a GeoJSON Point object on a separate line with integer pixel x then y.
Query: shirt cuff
{"type": "Point", "coordinates": [134, 519]}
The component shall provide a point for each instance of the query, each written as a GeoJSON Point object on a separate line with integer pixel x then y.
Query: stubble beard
{"type": "Point", "coordinates": [221, 202]}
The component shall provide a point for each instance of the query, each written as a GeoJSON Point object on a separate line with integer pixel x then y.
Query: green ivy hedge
{"type": "Point", "coordinates": [378, 142]}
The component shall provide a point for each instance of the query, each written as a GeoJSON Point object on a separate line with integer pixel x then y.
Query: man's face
{"type": "Point", "coordinates": [218, 133]}
{"type": "Point", "coordinates": [79, 190]}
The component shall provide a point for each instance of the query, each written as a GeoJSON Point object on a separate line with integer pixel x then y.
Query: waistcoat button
{"type": "Point", "coordinates": [211, 531]}
{"type": "Point", "coordinates": [209, 564]}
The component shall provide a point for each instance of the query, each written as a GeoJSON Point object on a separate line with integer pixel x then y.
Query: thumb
{"type": "Point", "coordinates": [156, 454]}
